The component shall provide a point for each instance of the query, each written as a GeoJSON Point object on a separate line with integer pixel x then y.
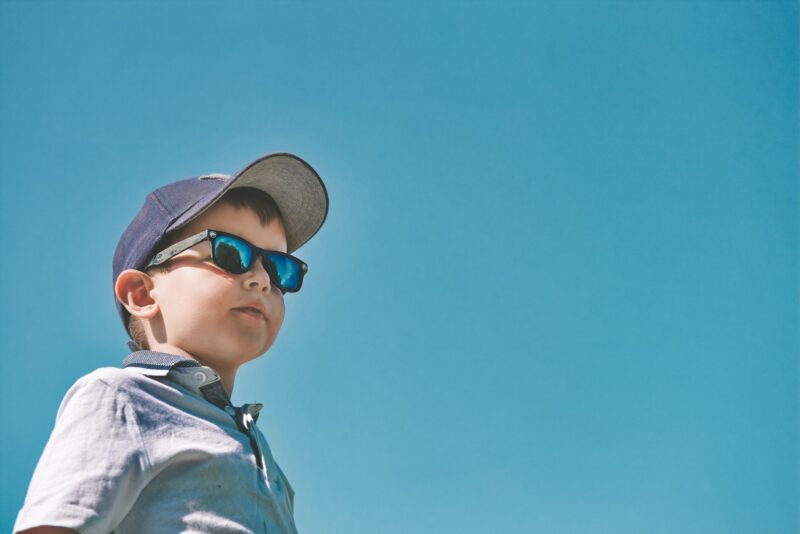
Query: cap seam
{"type": "Point", "coordinates": [161, 203]}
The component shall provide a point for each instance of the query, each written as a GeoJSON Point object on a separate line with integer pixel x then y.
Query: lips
{"type": "Point", "coordinates": [254, 310]}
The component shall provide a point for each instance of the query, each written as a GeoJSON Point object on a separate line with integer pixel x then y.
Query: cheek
{"type": "Point", "coordinates": [280, 306]}
{"type": "Point", "coordinates": [277, 315]}
{"type": "Point", "coordinates": [186, 304]}
{"type": "Point", "coordinates": [278, 323]}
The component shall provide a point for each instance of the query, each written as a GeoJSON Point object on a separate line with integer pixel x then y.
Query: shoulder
{"type": "Point", "coordinates": [105, 378]}
{"type": "Point", "coordinates": [112, 376]}
{"type": "Point", "coordinates": [106, 387]}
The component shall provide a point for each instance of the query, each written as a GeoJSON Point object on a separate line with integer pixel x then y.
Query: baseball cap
{"type": "Point", "coordinates": [294, 185]}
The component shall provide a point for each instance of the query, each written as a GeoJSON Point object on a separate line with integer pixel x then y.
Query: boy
{"type": "Point", "coordinates": [199, 279]}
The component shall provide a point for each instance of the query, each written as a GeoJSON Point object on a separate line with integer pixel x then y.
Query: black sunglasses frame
{"type": "Point", "coordinates": [257, 252]}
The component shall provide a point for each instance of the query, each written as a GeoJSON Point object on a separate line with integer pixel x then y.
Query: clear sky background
{"type": "Point", "coordinates": [557, 290]}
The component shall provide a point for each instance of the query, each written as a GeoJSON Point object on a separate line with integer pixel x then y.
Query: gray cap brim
{"type": "Point", "coordinates": [296, 187]}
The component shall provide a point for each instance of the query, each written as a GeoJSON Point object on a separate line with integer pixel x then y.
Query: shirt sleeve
{"type": "Point", "coordinates": [94, 464]}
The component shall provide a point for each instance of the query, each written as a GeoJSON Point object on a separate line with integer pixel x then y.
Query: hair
{"type": "Point", "coordinates": [262, 204]}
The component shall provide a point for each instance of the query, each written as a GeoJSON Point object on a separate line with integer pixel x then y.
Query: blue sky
{"type": "Point", "coordinates": [557, 290]}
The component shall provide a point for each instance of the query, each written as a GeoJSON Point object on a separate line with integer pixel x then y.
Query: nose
{"type": "Point", "coordinates": [257, 277]}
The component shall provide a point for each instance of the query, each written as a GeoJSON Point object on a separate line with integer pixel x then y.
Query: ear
{"type": "Point", "coordinates": [135, 290]}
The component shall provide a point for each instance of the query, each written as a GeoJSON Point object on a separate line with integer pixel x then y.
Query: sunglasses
{"type": "Point", "coordinates": [235, 255]}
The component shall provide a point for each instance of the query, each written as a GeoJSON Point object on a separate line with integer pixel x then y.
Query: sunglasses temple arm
{"type": "Point", "coordinates": [177, 248]}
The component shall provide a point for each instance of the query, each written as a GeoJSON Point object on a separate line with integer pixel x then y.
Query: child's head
{"type": "Point", "coordinates": [213, 296]}
{"type": "Point", "coordinates": [189, 303]}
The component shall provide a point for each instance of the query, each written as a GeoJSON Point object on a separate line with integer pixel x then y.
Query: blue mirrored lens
{"type": "Point", "coordinates": [232, 254]}
{"type": "Point", "coordinates": [286, 270]}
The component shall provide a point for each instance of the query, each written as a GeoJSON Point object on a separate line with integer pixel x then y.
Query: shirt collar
{"type": "Point", "coordinates": [187, 372]}
{"type": "Point", "coordinates": [153, 363]}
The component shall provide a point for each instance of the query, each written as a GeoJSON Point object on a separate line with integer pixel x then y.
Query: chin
{"type": "Point", "coordinates": [246, 356]}
{"type": "Point", "coordinates": [262, 351]}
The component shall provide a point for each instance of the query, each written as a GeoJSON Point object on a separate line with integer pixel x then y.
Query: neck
{"type": "Point", "coordinates": [227, 377]}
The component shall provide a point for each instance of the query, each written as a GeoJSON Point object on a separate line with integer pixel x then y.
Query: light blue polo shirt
{"type": "Point", "coordinates": [157, 447]}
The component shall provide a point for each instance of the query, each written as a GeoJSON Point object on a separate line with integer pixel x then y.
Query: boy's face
{"type": "Point", "coordinates": [202, 307]}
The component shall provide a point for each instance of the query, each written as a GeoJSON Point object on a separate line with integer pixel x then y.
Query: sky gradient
{"type": "Point", "coordinates": [557, 289]}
